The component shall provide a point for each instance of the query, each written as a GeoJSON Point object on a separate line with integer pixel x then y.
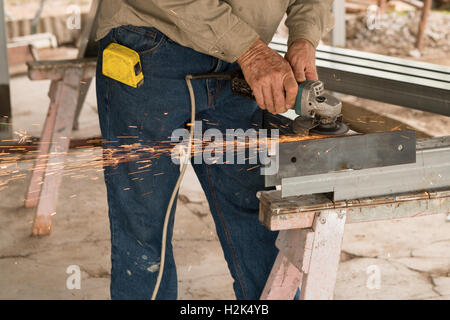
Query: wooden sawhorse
{"type": "Point", "coordinates": [68, 89]}
{"type": "Point", "coordinates": [312, 229]}
{"type": "Point", "coordinates": [67, 77]}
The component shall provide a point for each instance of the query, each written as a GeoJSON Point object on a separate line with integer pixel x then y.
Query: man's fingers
{"type": "Point", "coordinates": [291, 89]}
{"type": "Point", "coordinates": [299, 72]}
{"type": "Point", "coordinates": [278, 96]}
{"type": "Point", "coordinates": [311, 73]}
{"type": "Point", "coordinates": [259, 98]}
{"type": "Point", "coordinates": [301, 56]}
{"type": "Point", "coordinates": [268, 99]}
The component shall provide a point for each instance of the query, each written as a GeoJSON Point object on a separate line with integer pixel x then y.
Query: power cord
{"type": "Point", "coordinates": [189, 77]}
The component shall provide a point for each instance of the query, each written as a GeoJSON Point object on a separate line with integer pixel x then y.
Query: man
{"type": "Point", "coordinates": [175, 38]}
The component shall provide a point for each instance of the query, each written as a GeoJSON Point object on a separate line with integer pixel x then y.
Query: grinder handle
{"type": "Point", "coordinates": [298, 100]}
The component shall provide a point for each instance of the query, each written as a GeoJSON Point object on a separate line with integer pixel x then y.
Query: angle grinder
{"type": "Point", "coordinates": [318, 112]}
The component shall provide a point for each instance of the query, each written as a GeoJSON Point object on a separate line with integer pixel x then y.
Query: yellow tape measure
{"type": "Point", "coordinates": [122, 64]}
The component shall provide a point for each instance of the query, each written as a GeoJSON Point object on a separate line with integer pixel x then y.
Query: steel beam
{"type": "Point", "coordinates": [431, 171]}
{"type": "Point", "coordinates": [358, 151]}
{"type": "Point", "coordinates": [403, 82]}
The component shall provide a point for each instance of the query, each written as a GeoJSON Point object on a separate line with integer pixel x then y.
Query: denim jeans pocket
{"type": "Point", "coordinates": [143, 40]}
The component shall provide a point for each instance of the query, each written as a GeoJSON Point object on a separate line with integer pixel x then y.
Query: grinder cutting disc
{"type": "Point", "coordinates": [334, 129]}
{"type": "Point", "coordinates": [305, 126]}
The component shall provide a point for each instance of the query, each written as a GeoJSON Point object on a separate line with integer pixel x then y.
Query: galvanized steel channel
{"type": "Point", "coordinates": [403, 82]}
{"type": "Point", "coordinates": [430, 171]}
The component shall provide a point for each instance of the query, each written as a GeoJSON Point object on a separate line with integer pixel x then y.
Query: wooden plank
{"type": "Point", "coordinates": [296, 245]}
{"type": "Point", "coordinates": [21, 54]}
{"type": "Point", "coordinates": [441, 194]}
{"type": "Point", "coordinates": [319, 282]}
{"type": "Point", "coordinates": [278, 213]}
{"type": "Point", "coordinates": [54, 69]}
{"type": "Point", "coordinates": [65, 104]}
{"type": "Point", "coordinates": [399, 210]}
{"type": "Point", "coordinates": [283, 282]}
{"type": "Point", "coordinates": [40, 164]}
{"type": "Point", "coordinates": [286, 213]}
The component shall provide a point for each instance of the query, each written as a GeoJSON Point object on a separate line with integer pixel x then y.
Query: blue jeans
{"type": "Point", "coordinates": [138, 198]}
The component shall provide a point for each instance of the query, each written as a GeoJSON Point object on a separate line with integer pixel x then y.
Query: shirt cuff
{"type": "Point", "coordinates": [234, 42]}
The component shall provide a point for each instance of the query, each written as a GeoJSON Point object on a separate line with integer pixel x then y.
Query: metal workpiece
{"type": "Point", "coordinates": [431, 171]}
{"type": "Point", "coordinates": [352, 152]}
{"type": "Point", "coordinates": [403, 82]}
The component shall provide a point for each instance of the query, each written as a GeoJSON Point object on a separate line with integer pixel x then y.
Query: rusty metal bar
{"type": "Point", "coordinates": [278, 213]}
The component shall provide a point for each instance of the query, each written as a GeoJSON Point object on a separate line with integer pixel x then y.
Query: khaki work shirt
{"type": "Point", "coordinates": [222, 28]}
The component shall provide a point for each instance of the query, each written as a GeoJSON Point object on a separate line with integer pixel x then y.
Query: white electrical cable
{"type": "Point", "coordinates": [175, 189]}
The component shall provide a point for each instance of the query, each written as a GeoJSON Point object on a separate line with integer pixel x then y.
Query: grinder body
{"type": "Point", "coordinates": [317, 111]}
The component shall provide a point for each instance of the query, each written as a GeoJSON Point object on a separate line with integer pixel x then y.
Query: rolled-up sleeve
{"type": "Point", "coordinates": [209, 26]}
{"type": "Point", "coordinates": [309, 19]}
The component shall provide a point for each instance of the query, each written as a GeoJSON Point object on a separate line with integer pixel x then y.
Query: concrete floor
{"type": "Point", "coordinates": [30, 105]}
{"type": "Point", "coordinates": [411, 257]}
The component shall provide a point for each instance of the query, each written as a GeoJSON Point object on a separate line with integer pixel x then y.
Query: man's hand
{"type": "Point", "coordinates": [302, 57]}
{"type": "Point", "coordinates": [270, 77]}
